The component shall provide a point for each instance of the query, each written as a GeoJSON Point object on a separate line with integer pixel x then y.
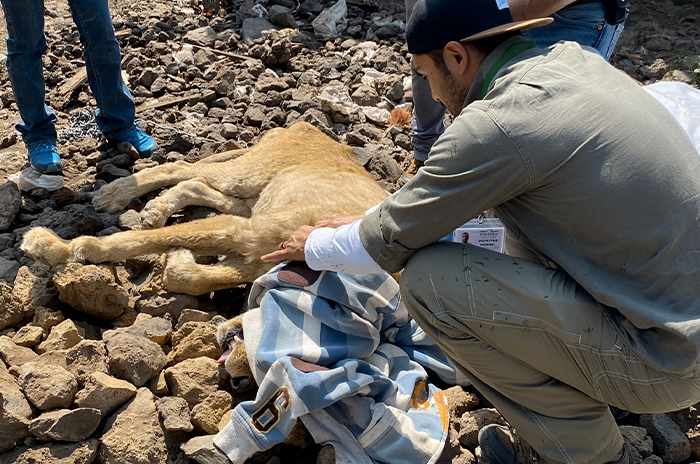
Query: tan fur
{"type": "Point", "coordinates": [292, 177]}
{"type": "Point", "coordinates": [236, 363]}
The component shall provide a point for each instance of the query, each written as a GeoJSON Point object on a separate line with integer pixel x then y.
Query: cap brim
{"type": "Point", "coordinates": [510, 27]}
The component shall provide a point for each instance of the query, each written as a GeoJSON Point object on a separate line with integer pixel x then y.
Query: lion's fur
{"type": "Point", "coordinates": [292, 177]}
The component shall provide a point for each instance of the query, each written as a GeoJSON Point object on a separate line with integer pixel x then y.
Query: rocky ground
{"type": "Point", "coordinates": [97, 362]}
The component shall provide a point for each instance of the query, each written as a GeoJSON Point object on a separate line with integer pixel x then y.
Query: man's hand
{"type": "Point", "coordinates": [337, 221]}
{"type": "Point", "coordinates": [292, 248]}
{"type": "Point", "coordinates": [531, 9]}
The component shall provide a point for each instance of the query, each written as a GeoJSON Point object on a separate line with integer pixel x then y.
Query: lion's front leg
{"type": "Point", "coordinates": [116, 195]}
{"type": "Point", "coordinates": [193, 192]}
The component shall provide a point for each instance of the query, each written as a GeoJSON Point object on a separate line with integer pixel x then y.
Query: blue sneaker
{"type": "Point", "coordinates": [141, 141]}
{"type": "Point", "coordinates": [45, 159]}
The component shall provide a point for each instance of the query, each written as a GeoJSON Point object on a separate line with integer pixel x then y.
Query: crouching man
{"type": "Point", "coordinates": [598, 301]}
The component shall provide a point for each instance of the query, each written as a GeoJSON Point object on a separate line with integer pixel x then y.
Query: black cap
{"type": "Point", "coordinates": [434, 23]}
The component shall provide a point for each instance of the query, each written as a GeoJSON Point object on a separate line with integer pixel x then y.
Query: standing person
{"type": "Point", "coordinates": [25, 46]}
{"type": "Point", "coordinates": [598, 183]}
{"type": "Point", "coordinates": [594, 23]}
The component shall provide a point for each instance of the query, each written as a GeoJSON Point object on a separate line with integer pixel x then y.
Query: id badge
{"type": "Point", "coordinates": [489, 233]}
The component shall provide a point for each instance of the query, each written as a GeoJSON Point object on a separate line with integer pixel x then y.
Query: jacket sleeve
{"type": "Point", "coordinates": [472, 167]}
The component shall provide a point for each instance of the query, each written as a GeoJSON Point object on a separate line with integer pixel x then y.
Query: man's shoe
{"type": "Point", "coordinates": [44, 158]}
{"type": "Point", "coordinates": [412, 170]}
{"type": "Point", "coordinates": [141, 141]}
{"type": "Point", "coordinates": [502, 445]}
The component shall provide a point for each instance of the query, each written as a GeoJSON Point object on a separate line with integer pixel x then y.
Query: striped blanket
{"type": "Point", "coordinates": [340, 353]}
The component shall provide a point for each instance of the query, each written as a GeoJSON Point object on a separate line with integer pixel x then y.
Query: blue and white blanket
{"type": "Point", "coordinates": [339, 352]}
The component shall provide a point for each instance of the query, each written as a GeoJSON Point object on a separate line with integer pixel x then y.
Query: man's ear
{"type": "Point", "coordinates": [456, 58]}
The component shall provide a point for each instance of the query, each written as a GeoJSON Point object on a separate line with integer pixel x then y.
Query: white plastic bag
{"type": "Point", "coordinates": [29, 179]}
{"type": "Point", "coordinates": [332, 21]}
{"type": "Point", "coordinates": [683, 101]}
{"type": "Point", "coordinates": [259, 11]}
{"type": "Point", "coordinates": [337, 99]}
{"type": "Point", "coordinates": [378, 116]}
{"type": "Point", "coordinates": [184, 55]}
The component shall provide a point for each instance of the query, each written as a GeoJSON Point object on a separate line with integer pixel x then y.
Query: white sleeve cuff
{"type": "Point", "coordinates": [339, 250]}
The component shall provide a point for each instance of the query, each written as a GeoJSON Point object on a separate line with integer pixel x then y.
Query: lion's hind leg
{"type": "Point", "coordinates": [42, 244]}
{"type": "Point", "coordinates": [182, 274]}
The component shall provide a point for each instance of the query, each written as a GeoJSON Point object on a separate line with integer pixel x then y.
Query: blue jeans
{"type": "Point", "coordinates": [583, 23]}
{"type": "Point", "coordinates": [25, 46]}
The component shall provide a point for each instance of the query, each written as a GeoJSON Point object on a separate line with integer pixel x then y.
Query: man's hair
{"type": "Point", "coordinates": [482, 46]}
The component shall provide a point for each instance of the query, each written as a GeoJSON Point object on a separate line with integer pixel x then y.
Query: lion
{"type": "Point", "coordinates": [292, 177]}
{"type": "Point", "coordinates": [229, 335]}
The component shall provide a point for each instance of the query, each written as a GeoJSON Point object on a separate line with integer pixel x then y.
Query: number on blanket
{"type": "Point", "coordinates": [268, 416]}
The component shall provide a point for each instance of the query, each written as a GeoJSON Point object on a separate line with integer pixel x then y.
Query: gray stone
{"type": "Point", "coordinates": [62, 336]}
{"type": "Point", "coordinates": [33, 287]}
{"type": "Point", "coordinates": [193, 340]}
{"type": "Point", "coordinates": [130, 219]}
{"type": "Point", "coordinates": [8, 269]}
{"type": "Point", "coordinates": [473, 421]}
{"type": "Point", "coordinates": [365, 96]}
{"type": "Point", "coordinates": [253, 28]}
{"type": "Point", "coordinates": [13, 354]}
{"type": "Point", "coordinates": [104, 392]}
{"type": "Point", "coordinates": [147, 77]}
{"type": "Point", "coordinates": [383, 166]}
{"type": "Point", "coordinates": [11, 312]}
{"type": "Point", "coordinates": [203, 58]}
{"type": "Point", "coordinates": [193, 379]}
{"type": "Point", "coordinates": [638, 438]}
{"type": "Point", "coordinates": [135, 359]}
{"type": "Point", "coordinates": [72, 425]}
{"type": "Point", "coordinates": [460, 400]}
{"type": "Point", "coordinates": [15, 411]}
{"type": "Point", "coordinates": [86, 358]}
{"type": "Point", "coordinates": [158, 86]}
{"type": "Point", "coordinates": [46, 386]}
{"type": "Point", "coordinates": [659, 43]}
{"type": "Point", "coordinates": [204, 36]}
{"type": "Point", "coordinates": [229, 131]}
{"type": "Point", "coordinates": [207, 414]}
{"type": "Point", "coordinates": [192, 315]}
{"type": "Point", "coordinates": [133, 433]}
{"type": "Point", "coordinates": [92, 289]}
{"type": "Point", "coordinates": [282, 16]}
{"type": "Point", "coordinates": [653, 459]}
{"type": "Point", "coordinates": [175, 414]}
{"type": "Point", "coordinates": [670, 443]}
{"type": "Point", "coordinates": [11, 201]}
{"type": "Point", "coordinates": [326, 455]}
{"type": "Point", "coordinates": [28, 336]}
{"type": "Point", "coordinates": [53, 358]}
{"type": "Point", "coordinates": [53, 453]}
{"type": "Point", "coordinates": [156, 329]}
{"type": "Point", "coordinates": [158, 385]}
{"type": "Point", "coordinates": [453, 453]}
{"type": "Point", "coordinates": [71, 221]}
{"type": "Point", "coordinates": [203, 451]}
{"type": "Point", "coordinates": [47, 318]}
{"type": "Point", "coordinates": [166, 303]}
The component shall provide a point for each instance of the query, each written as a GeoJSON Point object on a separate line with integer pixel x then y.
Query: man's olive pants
{"type": "Point", "coordinates": [538, 346]}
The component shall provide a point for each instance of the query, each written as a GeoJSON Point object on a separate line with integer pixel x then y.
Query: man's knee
{"type": "Point", "coordinates": [415, 279]}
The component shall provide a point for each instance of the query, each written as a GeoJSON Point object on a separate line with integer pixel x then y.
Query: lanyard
{"type": "Point", "coordinates": [511, 53]}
